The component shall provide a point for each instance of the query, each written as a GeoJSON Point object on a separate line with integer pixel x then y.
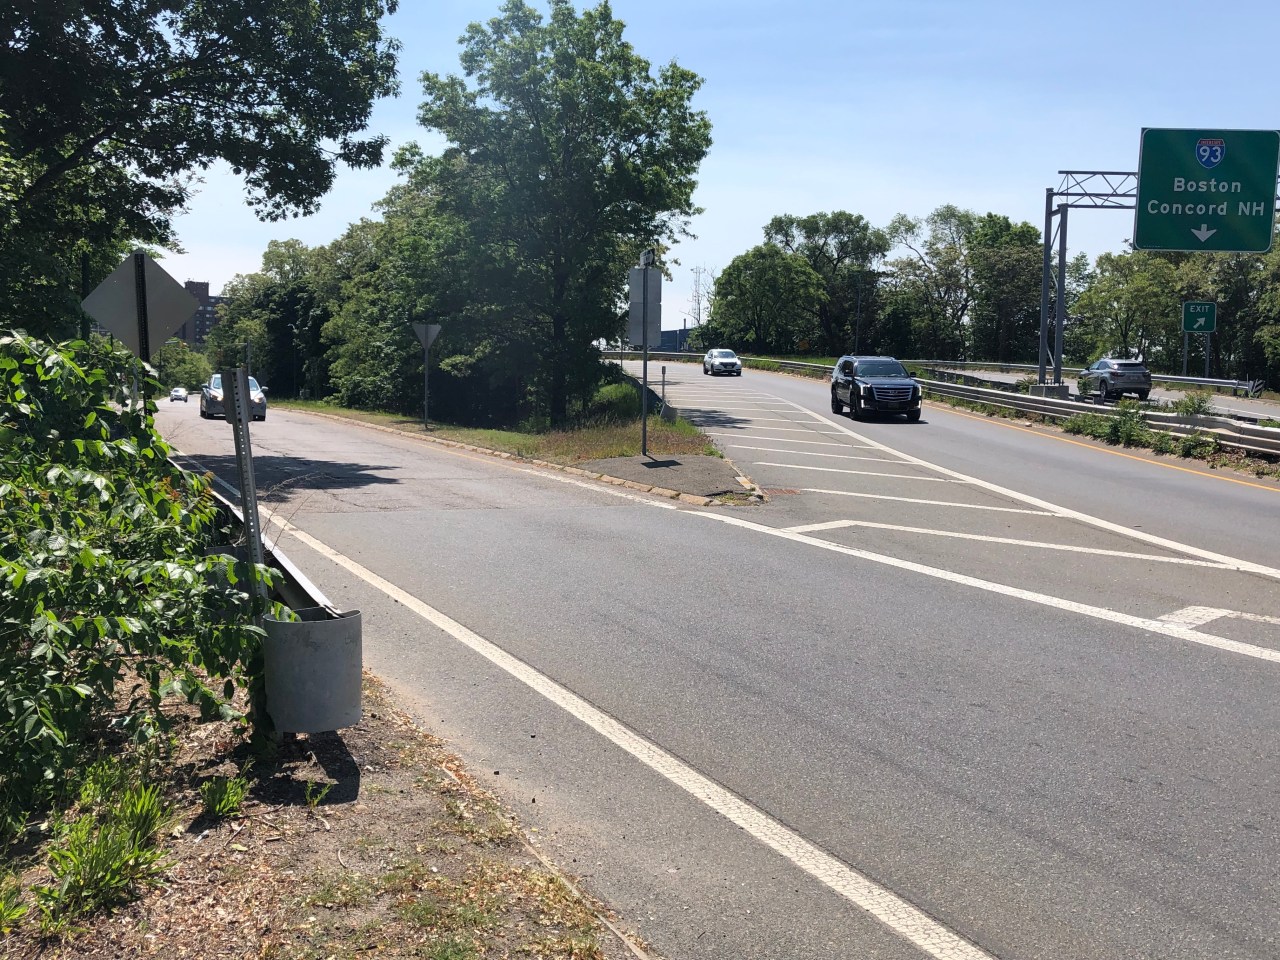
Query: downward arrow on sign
{"type": "Point", "coordinates": [1204, 233]}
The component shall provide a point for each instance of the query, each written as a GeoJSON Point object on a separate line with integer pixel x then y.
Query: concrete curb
{"type": "Point", "coordinates": [664, 492]}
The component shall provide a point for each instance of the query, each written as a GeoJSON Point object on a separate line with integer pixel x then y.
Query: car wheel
{"type": "Point", "coordinates": [738, 374]}
{"type": "Point", "coordinates": [855, 407]}
{"type": "Point", "coordinates": [1143, 394]}
{"type": "Point", "coordinates": [913, 416]}
{"type": "Point", "coordinates": [704, 369]}
{"type": "Point", "coordinates": [1104, 392]}
{"type": "Point", "coordinates": [836, 405]}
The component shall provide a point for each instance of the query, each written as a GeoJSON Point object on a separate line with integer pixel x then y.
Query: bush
{"type": "Point", "coordinates": [1197, 403]}
{"type": "Point", "coordinates": [614, 403]}
{"type": "Point", "coordinates": [107, 601]}
{"type": "Point", "coordinates": [1127, 427]}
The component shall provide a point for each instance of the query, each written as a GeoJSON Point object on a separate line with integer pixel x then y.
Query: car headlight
{"type": "Point", "coordinates": [215, 395]}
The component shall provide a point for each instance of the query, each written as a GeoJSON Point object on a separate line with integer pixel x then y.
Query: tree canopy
{"type": "Point", "coordinates": [107, 107]}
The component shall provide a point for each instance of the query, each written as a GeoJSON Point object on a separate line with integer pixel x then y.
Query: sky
{"type": "Point", "coordinates": [877, 108]}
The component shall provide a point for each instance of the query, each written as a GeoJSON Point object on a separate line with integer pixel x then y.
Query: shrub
{"type": "Point", "coordinates": [1199, 446]}
{"type": "Point", "coordinates": [223, 796]}
{"type": "Point", "coordinates": [615, 403]}
{"type": "Point", "coordinates": [1197, 403]}
{"type": "Point", "coordinates": [103, 575]}
{"type": "Point", "coordinates": [1127, 427]}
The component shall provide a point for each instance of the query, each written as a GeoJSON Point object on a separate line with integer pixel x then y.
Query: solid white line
{"type": "Point", "coordinates": [931, 503]}
{"type": "Point", "coordinates": [861, 473]}
{"type": "Point", "coordinates": [838, 524]}
{"type": "Point", "coordinates": [1098, 613]}
{"type": "Point", "coordinates": [693, 415]}
{"type": "Point", "coordinates": [927, 934]}
{"type": "Point", "coordinates": [820, 443]}
{"type": "Point", "coordinates": [1246, 566]}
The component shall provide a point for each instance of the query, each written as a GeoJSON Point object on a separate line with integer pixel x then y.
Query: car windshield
{"type": "Point", "coordinates": [723, 354]}
{"type": "Point", "coordinates": [215, 382]}
{"type": "Point", "coordinates": [882, 368]}
{"type": "Point", "coordinates": [253, 386]}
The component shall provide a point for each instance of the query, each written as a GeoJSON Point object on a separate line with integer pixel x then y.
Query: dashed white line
{"type": "Point", "coordinates": [1199, 616]}
{"type": "Point", "coordinates": [1010, 541]}
{"type": "Point", "coordinates": [806, 453]}
{"type": "Point", "coordinates": [1066, 512]}
{"type": "Point", "coordinates": [820, 443]}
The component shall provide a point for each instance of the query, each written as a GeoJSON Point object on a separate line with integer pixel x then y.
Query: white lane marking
{"type": "Point", "coordinates": [809, 430]}
{"type": "Point", "coordinates": [1059, 603]}
{"type": "Point", "coordinates": [820, 443]}
{"type": "Point", "coordinates": [861, 473]}
{"type": "Point", "coordinates": [930, 503]}
{"type": "Point", "coordinates": [925, 933]}
{"type": "Point", "coordinates": [1246, 566]}
{"type": "Point", "coordinates": [1099, 551]}
{"type": "Point", "coordinates": [1199, 616]}
{"type": "Point", "coordinates": [694, 416]}
{"type": "Point", "coordinates": [807, 453]}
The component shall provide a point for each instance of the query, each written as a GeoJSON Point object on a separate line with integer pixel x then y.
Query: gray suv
{"type": "Point", "coordinates": [1113, 378]}
{"type": "Point", "coordinates": [874, 385]}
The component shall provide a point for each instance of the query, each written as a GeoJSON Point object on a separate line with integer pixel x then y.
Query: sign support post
{"type": "Point", "coordinates": [426, 333]}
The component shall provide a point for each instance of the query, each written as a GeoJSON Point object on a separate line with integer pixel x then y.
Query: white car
{"type": "Point", "coordinates": [178, 393]}
{"type": "Point", "coordinates": [721, 361]}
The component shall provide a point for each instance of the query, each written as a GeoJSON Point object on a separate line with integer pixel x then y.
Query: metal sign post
{"type": "Point", "coordinates": [646, 312]}
{"type": "Point", "coordinates": [235, 386]}
{"type": "Point", "coordinates": [426, 334]}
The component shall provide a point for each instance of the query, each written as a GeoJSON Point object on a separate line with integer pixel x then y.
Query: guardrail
{"type": "Point", "coordinates": [1231, 434]}
{"type": "Point", "coordinates": [1252, 388]}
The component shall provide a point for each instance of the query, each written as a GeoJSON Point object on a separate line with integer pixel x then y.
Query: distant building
{"type": "Point", "coordinates": [675, 340]}
{"type": "Point", "coordinates": [196, 330]}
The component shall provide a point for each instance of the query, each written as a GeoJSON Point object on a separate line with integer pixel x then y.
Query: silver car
{"type": "Point", "coordinates": [1112, 378]}
{"type": "Point", "coordinates": [211, 404]}
{"type": "Point", "coordinates": [721, 361]}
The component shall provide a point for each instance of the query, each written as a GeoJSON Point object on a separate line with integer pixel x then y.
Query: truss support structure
{"type": "Point", "coordinates": [1092, 189]}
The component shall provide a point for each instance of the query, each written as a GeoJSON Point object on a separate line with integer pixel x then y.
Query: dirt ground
{"type": "Point", "coordinates": [369, 842]}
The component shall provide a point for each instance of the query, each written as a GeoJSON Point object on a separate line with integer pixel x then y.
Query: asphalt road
{"type": "Point", "coordinates": [960, 689]}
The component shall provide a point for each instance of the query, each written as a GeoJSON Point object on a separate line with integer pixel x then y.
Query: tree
{"type": "Point", "coordinates": [177, 365]}
{"type": "Point", "coordinates": [766, 300]}
{"type": "Point", "coordinates": [1132, 301]}
{"type": "Point", "coordinates": [1008, 264]}
{"type": "Point", "coordinates": [936, 278]}
{"type": "Point", "coordinates": [845, 251]}
{"type": "Point", "coordinates": [109, 105]}
{"type": "Point", "coordinates": [566, 159]}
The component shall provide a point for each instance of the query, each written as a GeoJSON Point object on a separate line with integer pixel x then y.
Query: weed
{"type": "Point", "coordinates": [422, 911]}
{"type": "Point", "coordinates": [1198, 446]}
{"type": "Point", "coordinates": [102, 857]}
{"type": "Point", "coordinates": [1265, 422]}
{"type": "Point", "coordinates": [224, 796]}
{"type": "Point", "coordinates": [316, 792]}
{"type": "Point", "coordinates": [12, 909]}
{"type": "Point", "coordinates": [1127, 427]}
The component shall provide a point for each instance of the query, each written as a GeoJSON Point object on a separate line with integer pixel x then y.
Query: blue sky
{"type": "Point", "coordinates": [875, 108]}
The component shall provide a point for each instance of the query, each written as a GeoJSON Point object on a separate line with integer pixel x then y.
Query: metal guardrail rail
{"type": "Point", "coordinates": [1251, 388]}
{"type": "Point", "coordinates": [1231, 434]}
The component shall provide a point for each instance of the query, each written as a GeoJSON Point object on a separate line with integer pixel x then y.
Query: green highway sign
{"type": "Point", "coordinates": [1207, 190]}
{"type": "Point", "coordinates": [1199, 317]}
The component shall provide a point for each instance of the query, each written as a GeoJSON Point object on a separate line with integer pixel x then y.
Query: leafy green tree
{"type": "Point", "coordinates": [567, 158]}
{"type": "Point", "coordinates": [766, 300]}
{"type": "Point", "coordinates": [177, 365]}
{"type": "Point", "coordinates": [846, 252]}
{"type": "Point", "coordinates": [109, 105]}
{"type": "Point", "coordinates": [1008, 263]}
{"type": "Point", "coordinates": [934, 278]}
{"type": "Point", "coordinates": [1131, 303]}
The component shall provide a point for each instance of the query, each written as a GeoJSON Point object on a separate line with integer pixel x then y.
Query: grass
{"type": "Point", "coordinates": [564, 447]}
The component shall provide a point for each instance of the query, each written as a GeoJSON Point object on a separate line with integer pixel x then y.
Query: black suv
{"type": "Point", "coordinates": [874, 385]}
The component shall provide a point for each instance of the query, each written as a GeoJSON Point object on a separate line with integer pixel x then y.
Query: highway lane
{"type": "Point", "coordinates": [1042, 781]}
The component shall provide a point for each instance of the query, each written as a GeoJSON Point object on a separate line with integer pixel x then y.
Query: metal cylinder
{"type": "Point", "coordinates": [312, 669]}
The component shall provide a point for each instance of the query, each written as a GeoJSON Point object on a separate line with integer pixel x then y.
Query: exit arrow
{"type": "Point", "coordinates": [1204, 233]}
{"type": "Point", "coordinates": [1200, 321]}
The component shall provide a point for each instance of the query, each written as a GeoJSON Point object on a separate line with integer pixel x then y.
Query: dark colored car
{"type": "Point", "coordinates": [211, 403]}
{"type": "Point", "coordinates": [1113, 378]}
{"type": "Point", "coordinates": [874, 385]}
